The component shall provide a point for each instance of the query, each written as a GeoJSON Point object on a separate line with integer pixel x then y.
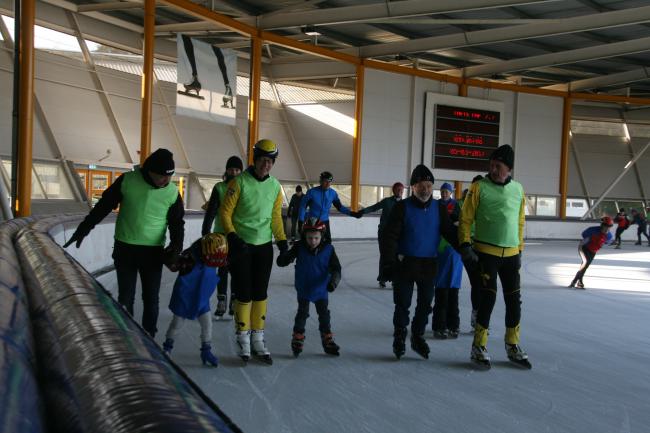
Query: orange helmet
{"type": "Point", "coordinates": [314, 225]}
{"type": "Point", "coordinates": [214, 250]}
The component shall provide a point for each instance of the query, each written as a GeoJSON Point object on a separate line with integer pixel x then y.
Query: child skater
{"type": "Point", "coordinates": [593, 239]}
{"type": "Point", "coordinates": [193, 288]}
{"type": "Point", "coordinates": [318, 272]}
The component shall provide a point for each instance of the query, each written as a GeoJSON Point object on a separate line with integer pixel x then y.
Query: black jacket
{"type": "Point", "coordinates": [415, 268]}
{"type": "Point", "coordinates": [111, 199]}
{"type": "Point", "coordinates": [294, 206]}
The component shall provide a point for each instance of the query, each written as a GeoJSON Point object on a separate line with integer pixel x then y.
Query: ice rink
{"type": "Point", "coordinates": [590, 351]}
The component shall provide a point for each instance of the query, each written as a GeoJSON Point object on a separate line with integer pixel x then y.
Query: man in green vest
{"type": "Point", "coordinates": [251, 215]}
{"type": "Point", "coordinates": [234, 166]}
{"type": "Point", "coordinates": [149, 204]}
{"type": "Point", "coordinates": [495, 204]}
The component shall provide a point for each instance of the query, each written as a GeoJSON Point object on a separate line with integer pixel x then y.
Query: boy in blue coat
{"type": "Point", "coordinates": [195, 284]}
{"type": "Point", "coordinates": [318, 272]}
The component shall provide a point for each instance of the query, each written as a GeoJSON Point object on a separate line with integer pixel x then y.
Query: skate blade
{"type": "Point", "coordinates": [296, 353]}
{"type": "Point", "coordinates": [245, 359]}
{"type": "Point", "coordinates": [482, 365]}
{"type": "Point", "coordinates": [191, 95]}
{"type": "Point", "coordinates": [221, 318]}
{"type": "Point", "coordinates": [523, 363]}
{"type": "Point", "coordinates": [266, 359]}
{"type": "Point", "coordinates": [333, 353]}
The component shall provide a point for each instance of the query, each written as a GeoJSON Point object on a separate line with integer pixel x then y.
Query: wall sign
{"type": "Point", "coordinates": [464, 138]}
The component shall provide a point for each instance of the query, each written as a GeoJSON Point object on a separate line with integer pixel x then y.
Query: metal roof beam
{"type": "Point", "coordinates": [457, 40]}
{"type": "Point", "coordinates": [405, 8]}
{"type": "Point", "coordinates": [569, 56]}
{"type": "Point", "coordinates": [603, 81]}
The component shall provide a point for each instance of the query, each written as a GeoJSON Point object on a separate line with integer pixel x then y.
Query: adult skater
{"type": "Point", "coordinates": [251, 215]}
{"type": "Point", "coordinates": [317, 273]}
{"type": "Point", "coordinates": [641, 223]}
{"type": "Point", "coordinates": [385, 205]}
{"type": "Point", "coordinates": [623, 224]}
{"type": "Point", "coordinates": [234, 166]}
{"type": "Point", "coordinates": [496, 204]}
{"type": "Point", "coordinates": [318, 201]}
{"type": "Point", "coordinates": [409, 250]}
{"type": "Point", "coordinates": [193, 288]}
{"type": "Point", "coordinates": [293, 212]}
{"type": "Point", "coordinates": [445, 320]}
{"type": "Point", "coordinates": [149, 204]}
{"type": "Point", "coordinates": [592, 240]}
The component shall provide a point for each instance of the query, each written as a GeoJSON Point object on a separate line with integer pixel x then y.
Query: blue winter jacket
{"type": "Point", "coordinates": [319, 202]}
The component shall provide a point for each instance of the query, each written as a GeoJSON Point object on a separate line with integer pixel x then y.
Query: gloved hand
{"type": "Point", "coordinates": [357, 214]}
{"type": "Point", "coordinates": [468, 255]}
{"type": "Point", "coordinates": [171, 258]}
{"type": "Point", "coordinates": [330, 287]}
{"type": "Point", "coordinates": [237, 248]}
{"type": "Point", "coordinates": [334, 281]}
{"type": "Point", "coordinates": [78, 236]}
{"type": "Point", "coordinates": [283, 247]}
{"type": "Point", "coordinates": [388, 271]}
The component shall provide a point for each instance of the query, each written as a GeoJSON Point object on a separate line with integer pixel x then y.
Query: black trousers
{"type": "Point", "coordinates": [295, 224]}
{"type": "Point", "coordinates": [507, 270]}
{"type": "Point", "coordinates": [475, 285]}
{"type": "Point", "coordinates": [324, 325]}
{"type": "Point", "coordinates": [587, 257]}
{"type": "Point", "coordinates": [445, 309]}
{"type": "Point", "coordinates": [147, 261]}
{"type": "Point", "coordinates": [251, 273]}
{"type": "Point", "coordinates": [619, 232]}
{"type": "Point", "coordinates": [640, 230]}
{"type": "Point", "coordinates": [222, 285]}
{"type": "Point", "coordinates": [402, 296]}
{"type": "Point", "coordinates": [380, 277]}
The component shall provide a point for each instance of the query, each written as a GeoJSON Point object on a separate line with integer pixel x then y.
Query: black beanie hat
{"type": "Point", "coordinates": [160, 162]}
{"type": "Point", "coordinates": [234, 162]}
{"type": "Point", "coordinates": [505, 154]}
{"type": "Point", "coordinates": [421, 173]}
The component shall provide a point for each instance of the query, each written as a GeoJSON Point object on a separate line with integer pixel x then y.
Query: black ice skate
{"type": "Point", "coordinates": [580, 285]}
{"type": "Point", "coordinates": [297, 343]}
{"type": "Point", "coordinates": [399, 342]}
{"type": "Point", "coordinates": [221, 307]}
{"type": "Point", "coordinates": [420, 346]}
{"type": "Point", "coordinates": [231, 309]}
{"type": "Point", "coordinates": [518, 356]}
{"type": "Point", "coordinates": [453, 334]}
{"type": "Point", "coordinates": [440, 334]}
{"type": "Point", "coordinates": [259, 350]}
{"type": "Point", "coordinates": [227, 98]}
{"type": "Point", "coordinates": [329, 346]}
{"type": "Point", "coordinates": [481, 357]}
{"type": "Point", "coordinates": [192, 89]}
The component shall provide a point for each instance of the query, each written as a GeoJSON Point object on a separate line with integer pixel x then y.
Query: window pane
{"type": "Point", "coordinates": [546, 206]}
{"type": "Point", "coordinates": [531, 202]}
{"type": "Point", "coordinates": [606, 207]}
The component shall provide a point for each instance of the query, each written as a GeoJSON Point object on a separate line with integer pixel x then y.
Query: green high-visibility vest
{"type": "Point", "coordinates": [143, 211]}
{"type": "Point", "coordinates": [253, 214]}
{"type": "Point", "coordinates": [497, 215]}
{"type": "Point", "coordinates": [220, 188]}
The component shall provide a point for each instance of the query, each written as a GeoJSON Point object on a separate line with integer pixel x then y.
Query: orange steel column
{"type": "Point", "coordinates": [458, 193]}
{"type": "Point", "coordinates": [254, 95]}
{"type": "Point", "coordinates": [564, 157]}
{"type": "Point", "coordinates": [147, 78]}
{"type": "Point", "coordinates": [462, 89]}
{"type": "Point", "coordinates": [25, 109]}
{"type": "Point", "coordinates": [356, 140]}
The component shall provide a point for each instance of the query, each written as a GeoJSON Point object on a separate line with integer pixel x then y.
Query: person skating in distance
{"type": "Point", "coordinates": [317, 274]}
{"type": "Point", "coordinates": [592, 240]}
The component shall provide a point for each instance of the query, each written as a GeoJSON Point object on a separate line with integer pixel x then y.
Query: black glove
{"type": "Point", "coordinates": [334, 281]}
{"type": "Point", "coordinates": [283, 246]}
{"type": "Point", "coordinates": [171, 258]}
{"type": "Point", "coordinates": [468, 255]}
{"type": "Point", "coordinates": [356, 214]}
{"type": "Point", "coordinates": [237, 248]}
{"type": "Point", "coordinates": [78, 236]}
{"type": "Point", "coordinates": [388, 271]}
{"type": "Point", "coordinates": [330, 287]}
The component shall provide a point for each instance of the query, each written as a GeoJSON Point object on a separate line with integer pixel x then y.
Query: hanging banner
{"type": "Point", "coordinates": [207, 80]}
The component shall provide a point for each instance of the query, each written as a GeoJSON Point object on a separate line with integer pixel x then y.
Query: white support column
{"type": "Point", "coordinates": [581, 176]}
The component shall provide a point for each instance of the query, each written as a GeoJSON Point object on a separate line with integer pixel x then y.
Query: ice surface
{"type": "Point", "coordinates": [590, 351]}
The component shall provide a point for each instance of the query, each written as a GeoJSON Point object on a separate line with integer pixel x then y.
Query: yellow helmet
{"type": "Point", "coordinates": [214, 249]}
{"type": "Point", "coordinates": [265, 147]}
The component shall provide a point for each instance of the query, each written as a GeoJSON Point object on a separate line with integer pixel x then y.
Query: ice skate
{"type": "Point", "coordinates": [329, 346]}
{"type": "Point", "coordinates": [481, 357]}
{"type": "Point", "coordinates": [297, 343]}
{"type": "Point", "coordinates": [227, 98]}
{"type": "Point", "coordinates": [617, 247]}
{"type": "Point", "coordinates": [573, 284]}
{"type": "Point", "coordinates": [420, 346]}
{"type": "Point", "coordinates": [382, 284]}
{"type": "Point", "coordinates": [231, 309]}
{"type": "Point", "coordinates": [580, 285]}
{"type": "Point", "coordinates": [221, 307]}
{"type": "Point", "coordinates": [244, 343]}
{"type": "Point", "coordinates": [168, 345]}
{"type": "Point", "coordinates": [192, 89]}
{"type": "Point", "coordinates": [260, 350]}
{"type": "Point", "coordinates": [518, 356]}
{"type": "Point", "coordinates": [453, 334]}
{"type": "Point", "coordinates": [399, 342]}
{"type": "Point", "coordinates": [637, 243]}
{"type": "Point", "coordinates": [207, 357]}
{"type": "Point", "coordinates": [440, 334]}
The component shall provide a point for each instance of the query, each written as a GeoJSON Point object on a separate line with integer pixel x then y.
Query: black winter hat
{"type": "Point", "coordinates": [421, 173]}
{"type": "Point", "coordinates": [160, 162]}
{"type": "Point", "coordinates": [505, 154]}
{"type": "Point", "coordinates": [234, 162]}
